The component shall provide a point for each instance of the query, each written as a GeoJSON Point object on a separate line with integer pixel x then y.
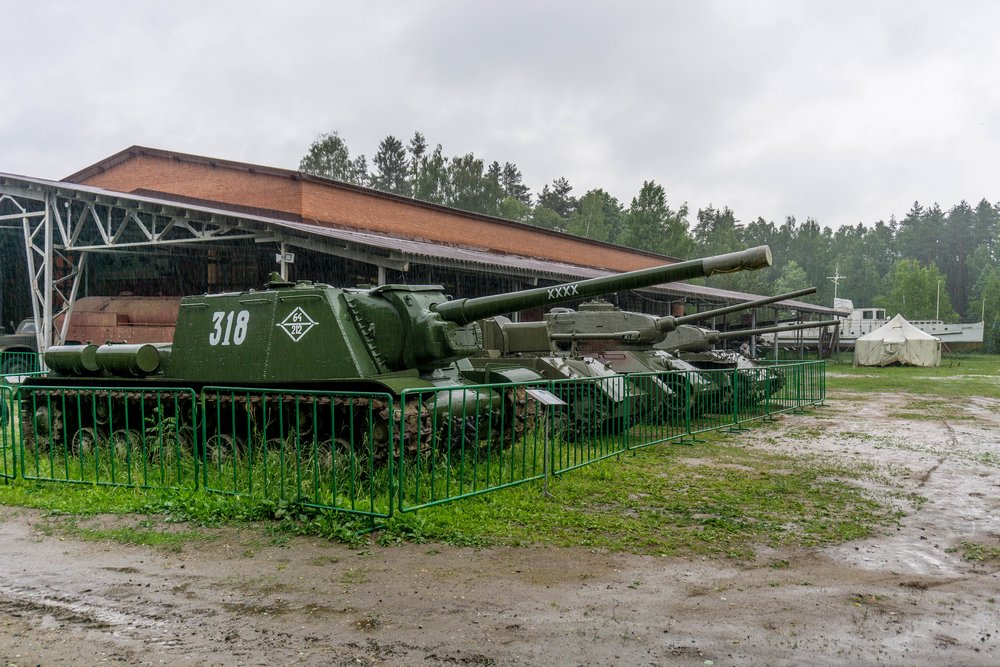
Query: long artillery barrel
{"type": "Point", "coordinates": [690, 338]}
{"type": "Point", "coordinates": [464, 311]}
{"type": "Point", "coordinates": [669, 323]}
{"type": "Point", "coordinates": [778, 329]}
{"type": "Point", "coordinates": [626, 336]}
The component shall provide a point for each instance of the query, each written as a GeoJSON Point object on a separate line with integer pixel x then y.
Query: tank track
{"type": "Point", "coordinates": [74, 420]}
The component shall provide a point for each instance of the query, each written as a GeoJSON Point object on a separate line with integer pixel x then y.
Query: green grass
{"type": "Point", "coordinates": [146, 532]}
{"type": "Point", "coordinates": [958, 376]}
{"type": "Point", "coordinates": [721, 497]}
{"type": "Point", "coordinates": [717, 499]}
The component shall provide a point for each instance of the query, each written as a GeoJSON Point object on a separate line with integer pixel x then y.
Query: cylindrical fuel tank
{"type": "Point", "coordinates": [133, 360]}
{"type": "Point", "coordinates": [72, 359]}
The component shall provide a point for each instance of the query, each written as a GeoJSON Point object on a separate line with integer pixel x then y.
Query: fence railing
{"type": "Point", "coordinates": [9, 432]}
{"type": "Point", "coordinates": [325, 449]}
{"type": "Point", "coordinates": [458, 442]}
{"type": "Point", "coordinates": [16, 363]}
{"type": "Point", "coordinates": [372, 453]}
{"type": "Point", "coordinates": [108, 436]}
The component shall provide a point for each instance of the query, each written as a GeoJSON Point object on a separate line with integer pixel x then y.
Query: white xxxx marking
{"type": "Point", "coordinates": [562, 291]}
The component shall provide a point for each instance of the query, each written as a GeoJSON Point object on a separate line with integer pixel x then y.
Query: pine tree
{"type": "Point", "coordinates": [652, 225]}
{"type": "Point", "coordinates": [391, 168]}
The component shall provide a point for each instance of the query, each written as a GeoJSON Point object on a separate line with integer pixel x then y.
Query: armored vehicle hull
{"type": "Point", "coordinates": [314, 362]}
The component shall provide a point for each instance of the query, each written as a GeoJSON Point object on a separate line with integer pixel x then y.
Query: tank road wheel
{"type": "Point", "coordinates": [616, 424]}
{"type": "Point", "coordinates": [125, 443]}
{"type": "Point", "coordinates": [676, 399]}
{"type": "Point", "coordinates": [167, 440]}
{"type": "Point", "coordinates": [221, 447]}
{"type": "Point", "coordinates": [83, 442]}
{"type": "Point", "coordinates": [41, 427]}
{"type": "Point", "coordinates": [565, 426]}
{"type": "Point", "coordinates": [303, 420]}
{"type": "Point", "coordinates": [457, 437]}
{"type": "Point", "coordinates": [321, 456]}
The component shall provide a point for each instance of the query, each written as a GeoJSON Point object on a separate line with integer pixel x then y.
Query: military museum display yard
{"type": "Point", "coordinates": [859, 531]}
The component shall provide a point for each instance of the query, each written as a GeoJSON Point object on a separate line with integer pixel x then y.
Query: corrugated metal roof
{"type": "Point", "coordinates": [384, 246]}
{"type": "Point", "coordinates": [469, 258]}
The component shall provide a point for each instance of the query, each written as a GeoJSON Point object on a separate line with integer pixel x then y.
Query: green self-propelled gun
{"type": "Point", "coordinates": [632, 342]}
{"type": "Point", "coordinates": [307, 336]}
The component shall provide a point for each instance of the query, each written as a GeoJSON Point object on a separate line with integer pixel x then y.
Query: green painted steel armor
{"type": "Point", "coordinates": [311, 336]}
{"type": "Point", "coordinates": [631, 342]}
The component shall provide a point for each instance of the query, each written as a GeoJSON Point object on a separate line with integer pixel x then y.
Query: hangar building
{"type": "Point", "coordinates": [153, 222]}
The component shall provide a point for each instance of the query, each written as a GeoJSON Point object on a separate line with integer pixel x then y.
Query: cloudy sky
{"type": "Point", "coordinates": [844, 111]}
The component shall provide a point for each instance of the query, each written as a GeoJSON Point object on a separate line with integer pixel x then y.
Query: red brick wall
{"type": "Point", "coordinates": [355, 209]}
{"type": "Point", "coordinates": [343, 207]}
{"type": "Point", "coordinates": [202, 181]}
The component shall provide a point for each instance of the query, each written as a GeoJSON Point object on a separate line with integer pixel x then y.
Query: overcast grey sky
{"type": "Point", "coordinates": [844, 111]}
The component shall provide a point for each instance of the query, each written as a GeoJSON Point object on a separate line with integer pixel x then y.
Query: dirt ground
{"type": "Point", "coordinates": [904, 597]}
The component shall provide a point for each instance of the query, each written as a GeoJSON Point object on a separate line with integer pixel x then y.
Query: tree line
{"type": "Point", "coordinates": [932, 262]}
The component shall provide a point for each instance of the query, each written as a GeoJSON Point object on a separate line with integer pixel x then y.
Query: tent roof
{"type": "Point", "coordinates": [897, 330]}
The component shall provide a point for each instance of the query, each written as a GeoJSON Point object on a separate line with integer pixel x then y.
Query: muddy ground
{"type": "Point", "coordinates": [904, 597]}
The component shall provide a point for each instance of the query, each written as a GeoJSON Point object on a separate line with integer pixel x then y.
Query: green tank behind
{"type": "Point", "coordinates": [631, 342]}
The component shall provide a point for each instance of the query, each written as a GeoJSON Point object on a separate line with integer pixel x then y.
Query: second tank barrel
{"type": "Point", "coordinates": [778, 329]}
{"type": "Point", "coordinates": [463, 311]}
{"type": "Point", "coordinates": [666, 323]}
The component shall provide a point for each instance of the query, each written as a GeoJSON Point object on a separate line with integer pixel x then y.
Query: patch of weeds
{"type": "Point", "coordinates": [354, 576]}
{"type": "Point", "coordinates": [173, 541]}
{"type": "Point", "coordinates": [977, 552]}
{"type": "Point", "coordinates": [323, 561]}
{"type": "Point", "coordinates": [803, 433]}
{"type": "Point", "coordinates": [280, 540]}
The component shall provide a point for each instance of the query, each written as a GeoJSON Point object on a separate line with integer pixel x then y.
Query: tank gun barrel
{"type": "Point", "coordinates": [464, 311]}
{"type": "Point", "coordinates": [670, 323]}
{"type": "Point", "coordinates": [778, 329]}
{"type": "Point", "coordinates": [625, 336]}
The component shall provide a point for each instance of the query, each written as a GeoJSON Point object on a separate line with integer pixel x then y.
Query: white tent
{"type": "Point", "coordinates": [897, 341]}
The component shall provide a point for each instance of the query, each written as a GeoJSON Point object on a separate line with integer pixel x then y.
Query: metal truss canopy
{"type": "Point", "coordinates": [64, 223]}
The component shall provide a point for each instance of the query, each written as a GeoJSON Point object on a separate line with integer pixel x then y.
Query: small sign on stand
{"type": "Point", "coordinates": [549, 400]}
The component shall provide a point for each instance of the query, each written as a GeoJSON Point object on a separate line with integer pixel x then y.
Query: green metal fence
{"type": "Point", "coordinates": [121, 436]}
{"type": "Point", "coordinates": [372, 453]}
{"type": "Point", "coordinates": [664, 412]}
{"type": "Point", "coordinates": [324, 449]}
{"type": "Point", "coordinates": [457, 442]}
{"type": "Point", "coordinates": [9, 415]}
{"type": "Point", "coordinates": [594, 423]}
{"type": "Point", "coordinates": [796, 385]}
{"type": "Point", "coordinates": [17, 363]}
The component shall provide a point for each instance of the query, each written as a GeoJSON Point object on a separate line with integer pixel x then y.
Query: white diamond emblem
{"type": "Point", "coordinates": [297, 324]}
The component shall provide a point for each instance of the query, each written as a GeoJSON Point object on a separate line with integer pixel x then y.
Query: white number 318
{"type": "Point", "coordinates": [238, 332]}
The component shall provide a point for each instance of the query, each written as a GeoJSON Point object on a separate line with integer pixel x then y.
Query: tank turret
{"type": "Point", "coordinates": [595, 318]}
